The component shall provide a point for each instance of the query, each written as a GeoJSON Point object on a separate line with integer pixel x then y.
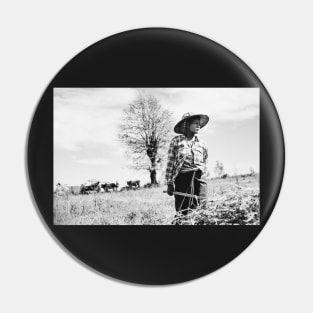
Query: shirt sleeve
{"type": "Point", "coordinates": [170, 163]}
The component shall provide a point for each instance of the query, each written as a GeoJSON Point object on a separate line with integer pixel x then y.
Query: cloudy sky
{"type": "Point", "coordinates": [86, 126]}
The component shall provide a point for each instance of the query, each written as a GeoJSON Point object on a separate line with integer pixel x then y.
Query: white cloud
{"type": "Point", "coordinates": [88, 116]}
{"type": "Point", "coordinates": [221, 104]}
{"type": "Point", "coordinates": [93, 161]}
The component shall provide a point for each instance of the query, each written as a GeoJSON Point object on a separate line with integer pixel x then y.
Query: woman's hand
{"type": "Point", "coordinates": [170, 190]}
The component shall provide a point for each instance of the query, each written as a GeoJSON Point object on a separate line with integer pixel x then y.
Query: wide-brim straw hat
{"type": "Point", "coordinates": [187, 116]}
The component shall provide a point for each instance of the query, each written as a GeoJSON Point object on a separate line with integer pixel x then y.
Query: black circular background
{"type": "Point", "coordinates": [155, 57]}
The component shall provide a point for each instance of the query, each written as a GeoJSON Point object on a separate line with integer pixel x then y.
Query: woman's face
{"type": "Point", "coordinates": [194, 126]}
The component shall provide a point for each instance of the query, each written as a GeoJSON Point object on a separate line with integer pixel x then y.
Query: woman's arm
{"type": "Point", "coordinates": [170, 163]}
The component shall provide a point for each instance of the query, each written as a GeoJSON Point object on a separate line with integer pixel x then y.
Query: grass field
{"type": "Point", "coordinates": [232, 201]}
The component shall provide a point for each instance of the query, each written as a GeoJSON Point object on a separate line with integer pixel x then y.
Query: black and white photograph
{"type": "Point", "coordinates": [89, 217]}
{"type": "Point", "coordinates": [156, 156]}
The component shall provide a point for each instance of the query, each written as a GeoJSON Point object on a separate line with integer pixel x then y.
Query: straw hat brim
{"type": "Point", "coordinates": [204, 119]}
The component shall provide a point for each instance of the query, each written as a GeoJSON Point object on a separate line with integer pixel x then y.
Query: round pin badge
{"type": "Point", "coordinates": [155, 156]}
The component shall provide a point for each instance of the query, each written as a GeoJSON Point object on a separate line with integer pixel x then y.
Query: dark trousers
{"type": "Point", "coordinates": [183, 183]}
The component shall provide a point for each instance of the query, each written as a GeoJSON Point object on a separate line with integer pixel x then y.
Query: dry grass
{"type": "Point", "coordinates": [135, 207]}
{"type": "Point", "coordinates": [232, 201]}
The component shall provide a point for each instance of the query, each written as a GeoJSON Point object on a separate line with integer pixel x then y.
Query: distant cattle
{"type": "Point", "coordinates": [107, 187]}
{"type": "Point", "coordinates": [89, 188]}
{"type": "Point", "coordinates": [247, 175]}
{"type": "Point", "coordinates": [61, 190]}
{"type": "Point", "coordinates": [133, 184]}
{"type": "Point", "coordinates": [224, 176]}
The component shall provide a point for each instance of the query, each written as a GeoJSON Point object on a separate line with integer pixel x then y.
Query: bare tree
{"type": "Point", "coordinates": [145, 131]}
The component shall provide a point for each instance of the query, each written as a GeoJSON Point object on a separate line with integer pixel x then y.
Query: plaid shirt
{"type": "Point", "coordinates": [178, 152]}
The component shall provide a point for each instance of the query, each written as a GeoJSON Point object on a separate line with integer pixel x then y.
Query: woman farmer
{"type": "Point", "coordinates": [187, 162]}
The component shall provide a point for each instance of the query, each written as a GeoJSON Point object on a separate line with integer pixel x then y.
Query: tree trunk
{"type": "Point", "coordinates": [151, 152]}
{"type": "Point", "coordinates": [153, 176]}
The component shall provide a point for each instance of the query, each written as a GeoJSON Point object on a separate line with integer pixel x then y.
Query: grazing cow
{"type": "Point", "coordinates": [101, 187]}
{"type": "Point", "coordinates": [107, 186]}
{"type": "Point", "coordinates": [112, 186]}
{"type": "Point", "coordinates": [133, 184]}
{"type": "Point", "coordinates": [61, 190]}
{"type": "Point", "coordinates": [89, 188]}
